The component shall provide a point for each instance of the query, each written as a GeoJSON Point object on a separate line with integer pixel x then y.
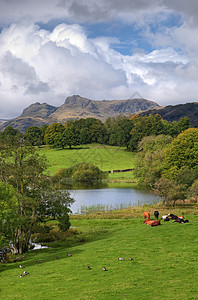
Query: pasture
{"type": "Point", "coordinates": [164, 265]}
{"type": "Point", "coordinates": [105, 157]}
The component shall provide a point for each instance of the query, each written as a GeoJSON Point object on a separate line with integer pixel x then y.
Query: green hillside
{"type": "Point", "coordinates": [107, 158]}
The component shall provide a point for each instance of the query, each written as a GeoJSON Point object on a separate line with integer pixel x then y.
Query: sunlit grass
{"type": "Point", "coordinates": [107, 158]}
{"type": "Point", "coordinates": [164, 262]}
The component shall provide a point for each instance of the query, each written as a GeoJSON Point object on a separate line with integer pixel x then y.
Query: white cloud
{"type": "Point", "coordinates": [40, 65]}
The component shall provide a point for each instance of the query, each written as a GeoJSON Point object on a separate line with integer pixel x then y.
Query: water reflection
{"type": "Point", "coordinates": [109, 198]}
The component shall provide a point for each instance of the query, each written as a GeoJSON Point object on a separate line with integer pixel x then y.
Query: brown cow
{"type": "Point", "coordinates": [152, 222]}
{"type": "Point", "coordinates": [148, 221]}
{"type": "Point", "coordinates": [146, 215]}
{"type": "Point", "coordinates": [155, 223]}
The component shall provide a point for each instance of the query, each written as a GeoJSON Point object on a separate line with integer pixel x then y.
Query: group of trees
{"type": "Point", "coordinates": [169, 165]}
{"type": "Point", "coordinates": [120, 131]}
{"type": "Point", "coordinates": [27, 195]}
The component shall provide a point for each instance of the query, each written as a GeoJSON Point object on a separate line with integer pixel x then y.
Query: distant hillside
{"type": "Point", "coordinates": [174, 113]}
{"type": "Point", "coordinates": [76, 107]}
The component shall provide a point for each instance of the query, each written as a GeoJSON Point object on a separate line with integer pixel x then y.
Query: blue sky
{"type": "Point", "coordinates": [99, 49]}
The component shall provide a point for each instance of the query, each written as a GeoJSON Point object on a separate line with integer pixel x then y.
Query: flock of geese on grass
{"type": "Point", "coordinates": [25, 273]}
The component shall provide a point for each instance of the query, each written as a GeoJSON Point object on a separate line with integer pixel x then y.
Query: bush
{"type": "Point", "coordinates": [87, 173]}
{"type": "Point", "coordinates": [83, 172]}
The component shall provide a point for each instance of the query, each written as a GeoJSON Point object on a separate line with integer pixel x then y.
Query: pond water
{"type": "Point", "coordinates": [103, 199]}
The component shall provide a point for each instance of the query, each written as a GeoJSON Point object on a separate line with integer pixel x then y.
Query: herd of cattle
{"type": "Point", "coordinates": [156, 222]}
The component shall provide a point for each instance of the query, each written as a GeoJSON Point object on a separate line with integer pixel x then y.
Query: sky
{"type": "Point", "coordinates": [98, 49]}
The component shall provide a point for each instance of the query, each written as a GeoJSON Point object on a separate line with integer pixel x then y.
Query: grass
{"type": "Point", "coordinates": [165, 261]}
{"type": "Point", "coordinates": [107, 158]}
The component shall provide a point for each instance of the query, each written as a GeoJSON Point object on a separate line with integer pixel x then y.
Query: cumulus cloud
{"type": "Point", "coordinates": [43, 65]}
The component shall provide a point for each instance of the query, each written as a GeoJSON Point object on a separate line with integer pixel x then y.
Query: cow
{"type": "Point", "coordinates": [151, 222]}
{"type": "Point", "coordinates": [172, 217]}
{"type": "Point", "coordinates": [180, 220]}
{"type": "Point", "coordinates": [147, 221]}
{"type": "Point", "coordinates": [155, 223]}
{"type": "Point", "coordinates": [146, 215]}
{"type": "Point", "coordinates": [156, 214]}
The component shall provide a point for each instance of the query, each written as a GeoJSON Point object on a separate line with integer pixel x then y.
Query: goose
{"type": "Point", "coordinates": [88, 267]}
{"type": "Point", "coordinates": [130, 258]}
{"type": "Point", "coordinates": [22, 275]}
{"type": "Point", "coordinates": [21, 267]}
{"type": "Point", "coordinates": [121, 258]}
{"type": "Point", "coordinates": [69, 254]}
{"type": "Point", "coordinates": [38, 261]}
{"type": "Point", "coordinates": [104, 269]}
{"type": "Point", "coordinates": [25, 273]}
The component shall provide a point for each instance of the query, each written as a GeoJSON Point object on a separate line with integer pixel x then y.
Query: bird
{"type": "Point", "coordinates": [38, 261]}
{"type": "Point", "coordinates": [130, 258]}
{"type": "Point", "coordinates": [104, 269]}
{"type": "Point", "coordinates": [25, 273]}
{"type": "Point", "coordinates": [22, 275]}
{"type": "Point", "coordinates": [69, 254]}
{"type": "Point", "coordinates": [21, 267]}
{"type": "Point", "coordinates": [121, 258]}
{"type": "Point", "coordinates": [88, 267]}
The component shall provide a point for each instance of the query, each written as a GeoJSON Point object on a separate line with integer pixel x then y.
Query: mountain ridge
{"type": "Point", "coordinates": [76, 107]}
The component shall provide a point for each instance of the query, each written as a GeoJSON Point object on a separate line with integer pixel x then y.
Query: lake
{"type": "Point", "coordinates": [103, 199]}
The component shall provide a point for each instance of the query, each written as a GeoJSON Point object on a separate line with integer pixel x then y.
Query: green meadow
{"type": "Point", "coordinates": [107, 158]}
{"type": "Point", "coordinates": [164, 261]}
{"type": "Point", "coordinates": [164, 265]}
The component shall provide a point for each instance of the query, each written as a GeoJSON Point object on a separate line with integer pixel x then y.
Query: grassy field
{"type": "Point", "coordinates": [164, 265]}
{"type": "Point", "coordinates": [107, 158]}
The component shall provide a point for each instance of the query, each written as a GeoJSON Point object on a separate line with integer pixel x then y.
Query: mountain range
{"type": "Point", "coordinates": [77, 107]}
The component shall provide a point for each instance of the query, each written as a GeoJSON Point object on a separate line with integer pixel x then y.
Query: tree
{"type": "Point", "coordinates": [169, 191]}
{"type": "Point", "coordinates": [70, 137]}
{"type": "Point", "coordinates": [118, 130]}
{"type": "Point", "coordinates": [149, 159]}
{"type": "Point", "coordinates": [9, 220]}
{"type": "Point", "coordinates": [33, 135]}
{"type": "Point", "coordinates": [53, 134]}
{"type": "Point", "coordinates": [87, 173]}
{"type": "Point", "coordinates": [183, 152]}
{"type": "Point", "coordinates": [23, 169]}
{"type": "Point", "coordinates": [10, 134]}
{"type": "Point", "coordinates": [193, 190]}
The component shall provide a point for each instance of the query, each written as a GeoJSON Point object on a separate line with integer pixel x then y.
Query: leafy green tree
{"type": "Point", "coordinates": [70, 137]}
{"type": "Point", "coordinates": [10, 134]}
{"type": "Point", "coordinates": [53, 134]}
{"type": "Point", "coordinates": [118, 130]}
{"type": "Point", "coordinates": [87, 173]}
{"type": "Point", "coordinates": [169, 191]}
{"type": "Point", "coordinates": [154, 125]}
{"type": "Point", "coordinates": [33, 135]}
{"type": "Point", "coordinates": [183, 152]}
{"type": "Point", "coordinates": [149, 159]}
{"type": "Point", "coordinates": [9, 220]}
{"type": "Point", "coordinates": [23, 168]}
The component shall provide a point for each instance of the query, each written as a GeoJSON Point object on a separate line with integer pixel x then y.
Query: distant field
{"type": "Point", "coordinates": [107, 158]}
{"type": "Point", "coordinates": [164, 264]}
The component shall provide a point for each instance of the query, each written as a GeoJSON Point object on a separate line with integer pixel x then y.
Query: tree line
{"type": "Point", "coordinates": [121, 131]}
{"type": "Point", "coordinates": [169, 165]}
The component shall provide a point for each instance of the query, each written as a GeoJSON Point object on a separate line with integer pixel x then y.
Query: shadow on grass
{"type": "Point", "coordinates": [57, 250]}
